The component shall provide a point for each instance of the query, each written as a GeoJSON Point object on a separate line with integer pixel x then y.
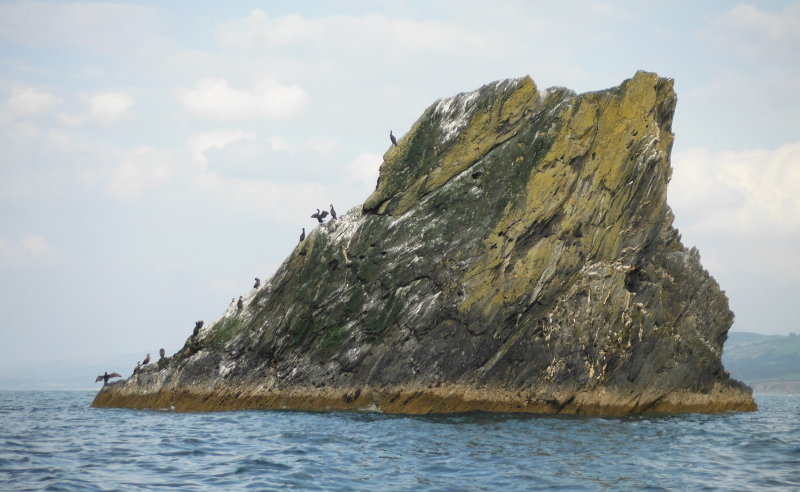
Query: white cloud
{"type": "Point", "coordinates": [29, 102]}
{"type": "Point", "coordinates": [277, 200]}
{"type": "Point", "coordinates": [772, 258]}
{"type": "Point", "coordinates": [109, 107]}
{"type": "Point", "coordinates": [198, 143]}
{"type": "Point", "coordinates": [751, 33]}
{"type": "Point", "coordinates": [278, 143]}
{"type": "Point", "coordinates": [213, 99]}
{"type": "Point", "coordinates": [366, 169]}
{"type": "Point", "coordinates": [106, 27]}
{"type": "Point", "coordinates": [32, 250]}
{"type": "Point", "coordinates": [140, 168]}
{"type": "Point", "coordinates": [106, 108]}
{"type": "Point", "coordinates": [335, 34]}
{"type": "Point", "coordinates": [323, 146]}
{"type": "Point", "coordinates": [738, 192]}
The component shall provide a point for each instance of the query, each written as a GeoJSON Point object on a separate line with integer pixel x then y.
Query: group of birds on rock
{"type": "Point", "coordinates": [106, 376]}
{"type": "Point", "coordinates": [320, 216]}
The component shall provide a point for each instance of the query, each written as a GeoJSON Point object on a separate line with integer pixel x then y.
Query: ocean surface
{"type": "Point", "coordinates": [51, 440]}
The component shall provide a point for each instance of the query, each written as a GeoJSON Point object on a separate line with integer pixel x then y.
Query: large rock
{"type": "Point", "coordinates": [517, 255]}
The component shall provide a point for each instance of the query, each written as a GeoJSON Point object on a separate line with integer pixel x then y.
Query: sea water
{"type": "Point", "coordinates": [55, 441]}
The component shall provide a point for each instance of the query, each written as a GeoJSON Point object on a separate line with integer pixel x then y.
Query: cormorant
{"type": "Point", "coordinates": [136, 369]}
{"type": "Point", "coordinates": [303, 235]}
{"type": "Point", "coordinates": [239, 304]}
{"type": "Point", "coordinates": [105, 377]}
{"type": "Point", "coordinates": [320, 215]}
{"type": "Point", "coordinates": [258, 283]}
{"type": "Point", "coordinates": [333, 212]}
{"type": "Point", "coordinates": [394, 140]}
{"type": "Point", "coordinates": [146, 360]}
{"type": "Point", "coordinates": [162, 353]}
{"type": "Point", "coordinates": [199, 324]}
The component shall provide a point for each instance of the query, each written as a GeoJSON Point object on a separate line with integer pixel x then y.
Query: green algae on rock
{"type": "Point", "coordinates": [517, 255]}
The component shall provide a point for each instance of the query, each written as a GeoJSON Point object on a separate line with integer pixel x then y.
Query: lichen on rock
{"type": "Point", "coordinates": [517, 255]}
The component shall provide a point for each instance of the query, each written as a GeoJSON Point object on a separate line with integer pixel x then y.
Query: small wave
{"type": "Point", "coordinates": [66, 448]}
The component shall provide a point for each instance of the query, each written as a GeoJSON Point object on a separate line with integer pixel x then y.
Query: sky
{"type": "Point", "coordinates": [156, 157]}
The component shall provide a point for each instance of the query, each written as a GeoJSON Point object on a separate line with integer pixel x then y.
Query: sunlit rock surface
{"type": "Point", "coordinates": [517, 255]}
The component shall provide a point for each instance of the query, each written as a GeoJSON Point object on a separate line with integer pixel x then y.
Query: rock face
{"type": "Point", "coordinates": [517, 255]}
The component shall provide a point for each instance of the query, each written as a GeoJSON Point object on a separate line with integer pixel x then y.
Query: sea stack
{"type": "Point", "coordinates": [518, 255]}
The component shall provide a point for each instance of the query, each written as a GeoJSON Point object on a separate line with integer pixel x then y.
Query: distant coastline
{"type": "Point", "coordinates": [768, 363]}
{"type": "Point", "coordinates": [777, 387]}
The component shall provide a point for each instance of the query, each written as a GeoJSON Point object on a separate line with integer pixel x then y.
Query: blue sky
{"type": "Point", "coordinates": [155, 157]}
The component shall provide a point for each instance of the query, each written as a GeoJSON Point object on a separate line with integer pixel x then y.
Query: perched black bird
{"type": "Point", "coordinates": [320, 215]}
{"type": "Point", "coordinates": [258, 283]}
{"type": "Point", "coordinates": [239, 304]}
{"type": "Point", "coordinates": [105, 377]}
{"type": "Point", "coordinates": [146, 360]}
{"type": "Point", "coordinates": [162, 353]}
{"type": "Point", "coordinates": [136, 369]}
{"type": "Point", "coordinates": [394, 140]}
{"type": "Point", "coordinates": [333, 212]}
{"type": "Point", "coordinates": [303, 235]}
{"type": "Point", "coordinates": [199, 324]}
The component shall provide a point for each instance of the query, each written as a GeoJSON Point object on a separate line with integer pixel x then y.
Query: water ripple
{"type": "Point", "coordinates": [54, 441]}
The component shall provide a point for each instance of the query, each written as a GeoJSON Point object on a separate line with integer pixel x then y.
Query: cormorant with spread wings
{"type": "Point", "coordinates": [320, 215]}
{"type": "Point", "coordinates": [105, 377]}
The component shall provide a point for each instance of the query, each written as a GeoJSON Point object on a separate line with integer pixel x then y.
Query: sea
{"type": "Point", "coordinates": [53, 440]}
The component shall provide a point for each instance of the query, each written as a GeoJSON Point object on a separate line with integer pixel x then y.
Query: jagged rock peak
{"type": "Point", "coordinates": [517, 254]}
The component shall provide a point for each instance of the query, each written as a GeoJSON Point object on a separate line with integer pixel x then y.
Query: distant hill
{"type": "Point", "coordinates": [768, 363]}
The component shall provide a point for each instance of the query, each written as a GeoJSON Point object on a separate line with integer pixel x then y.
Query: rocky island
{"type": "Point", "coordinates": [517, 255]}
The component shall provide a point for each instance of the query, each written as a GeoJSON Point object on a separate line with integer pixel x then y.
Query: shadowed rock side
{"type": "Point", "coordinates": [517, 255]}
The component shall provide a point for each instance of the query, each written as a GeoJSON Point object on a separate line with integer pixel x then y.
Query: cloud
{"type": "Point", "coordinates": [278, 143]}
{"type": "Point", "coordinates": [773, 258]}
{"type": "Point", "coordinates": [109, 107]}
{"type": "Point", "coordinates": [198, 143]}
{"type": "Point", "coordinates": [140, 168]}
{"type": "Point", "coordinates": [213, 99]}
{"type": "Point", "coordinates": [106, 108]}
{"type": "Point", "coordinates": [334, 34]}
{"type": "Point", "coordinates": [365, 169]}
{"type": "Point", "coordinates": [323, 146]}
{"type": "Point", "coordinates": [738, 192]}
{"type": "Point", "coordinates": [748, 32]}
{"type": "Point", "coordinates": [106, 27]}
{"type": "Point", "coordinates": [30, 102]}
{"type": "Point", "coordinates": [32, 250]}
{"type": "Point", "coordinates": [277, 200]}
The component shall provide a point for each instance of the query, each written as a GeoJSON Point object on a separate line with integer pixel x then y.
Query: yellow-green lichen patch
{"type": "Point", "coordinates": [419, 166]}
